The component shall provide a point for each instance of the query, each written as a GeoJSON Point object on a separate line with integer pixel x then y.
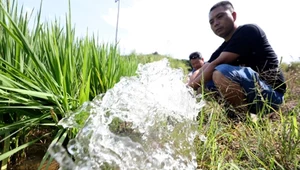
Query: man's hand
{"type": "Point", "coordinates": [204, 74]}
{"type": "Point", "coordinates": [196, 77]}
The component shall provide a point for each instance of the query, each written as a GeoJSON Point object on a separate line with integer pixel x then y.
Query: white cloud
{"type": "Point", "coordinates": [28, 10]}
{"type": "Point", "coordinates": [178, 27]}
{"type": "Point", "coordinates": [168, 27]}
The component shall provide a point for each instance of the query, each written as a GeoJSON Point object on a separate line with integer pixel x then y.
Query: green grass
{"type": "Point", "coordinates": [266, 145]}
{"type": "Point", "coordinates": [271, 142]}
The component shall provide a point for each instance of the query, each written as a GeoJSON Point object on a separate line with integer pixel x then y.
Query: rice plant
{"type": "Point", "coordinates": [46, 72]}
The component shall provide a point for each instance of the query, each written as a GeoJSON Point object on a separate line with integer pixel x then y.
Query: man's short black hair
{"type": "Point", "coordinates": [224, 4]}
{"type": "Point", "coordinates": [195, 55]}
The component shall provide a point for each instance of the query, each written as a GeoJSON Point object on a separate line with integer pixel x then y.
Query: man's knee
{"type": "Point", "coordinates": [217, 77]}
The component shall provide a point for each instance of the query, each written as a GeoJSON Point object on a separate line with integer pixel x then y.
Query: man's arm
{"type": "Point", "coordinates": [197, 72]}
{"type": "Point", "coordinates": [204, 74]}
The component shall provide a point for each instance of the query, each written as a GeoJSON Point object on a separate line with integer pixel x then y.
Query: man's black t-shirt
{"type": "Point", "coordinates": [251, 43]}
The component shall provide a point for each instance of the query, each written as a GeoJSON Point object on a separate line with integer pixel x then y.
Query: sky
{"type": "Point", "coordinates": [174, 27]}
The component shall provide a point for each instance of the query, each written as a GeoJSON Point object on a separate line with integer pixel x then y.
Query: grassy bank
{"type": "Point", "coordinates": [271, 142]}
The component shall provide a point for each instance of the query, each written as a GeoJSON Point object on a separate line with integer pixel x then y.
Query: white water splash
{"type": "Point", "coordinates": [155, 113]}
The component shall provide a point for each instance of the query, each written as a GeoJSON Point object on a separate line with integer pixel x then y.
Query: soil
{"type": "Point", "coordinates": [32, 163]}
{"type": "Point", "coordinates": [33, 155]}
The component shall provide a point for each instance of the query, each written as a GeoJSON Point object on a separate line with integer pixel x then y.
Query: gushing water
{"type": "Point", "coordinates": [146, 121]}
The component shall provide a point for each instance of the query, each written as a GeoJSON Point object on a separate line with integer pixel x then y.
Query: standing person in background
{"type": "Point", "coordinates": [244, 69]}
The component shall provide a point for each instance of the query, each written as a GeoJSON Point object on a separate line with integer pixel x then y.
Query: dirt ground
{"type": "Point", "coordinates": [33, 155]}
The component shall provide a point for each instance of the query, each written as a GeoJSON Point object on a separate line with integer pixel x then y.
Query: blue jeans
{"type": "Point", "coordinates": [260, 96]}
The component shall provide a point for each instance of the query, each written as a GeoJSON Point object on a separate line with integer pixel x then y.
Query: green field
{"type": "Point", "coordinates": [47, 72]}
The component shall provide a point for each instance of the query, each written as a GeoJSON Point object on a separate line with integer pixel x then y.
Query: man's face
{"type": "Point", "coordinates": [221, 21]}
{"type": "Point", "coordinates": [197, 63]}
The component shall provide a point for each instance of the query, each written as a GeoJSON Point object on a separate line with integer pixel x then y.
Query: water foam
{"type": "Point", "coordinates": [144, 122]}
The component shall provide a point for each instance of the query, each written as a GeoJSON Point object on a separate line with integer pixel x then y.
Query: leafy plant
{"type": "Point", "coordinates": [46, 73]}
